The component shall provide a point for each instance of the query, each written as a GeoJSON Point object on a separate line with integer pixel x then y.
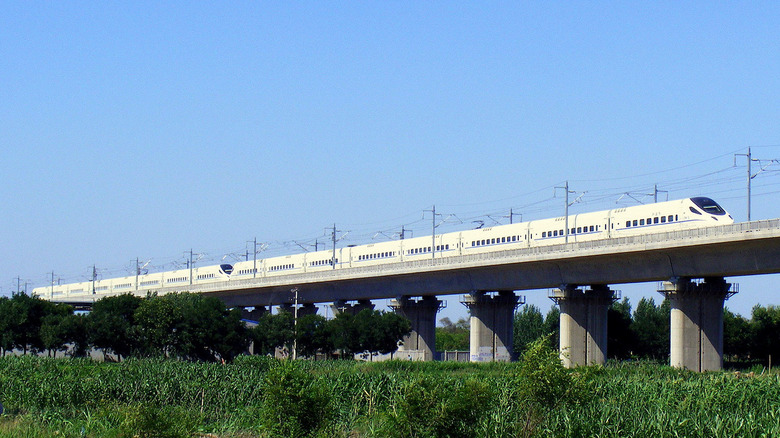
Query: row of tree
{"type": "Point", "coordinates": [639, 334]}
{"type": "Point", "coordinates": [369, 331]}
{"type": "Point", "coordinates": [186, 326]}
{"type": "Point", "coordinates": [644, 332]}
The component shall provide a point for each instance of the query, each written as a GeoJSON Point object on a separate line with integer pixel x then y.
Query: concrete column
{"type": "Point", "coordinates": [286, 307]}
{"type": "Point", "coordinates": [492, 320]}
{"type": "Point", "coordinates": [307, 309]}
{"type": "Point", "coordinates": [339, 306]}
{"type": "Point", "coordinates": [583, 324]}
{"type": "Point", "coordinates": [697, 323]}
{"type": "Point", "coordinates": [303, 309]}
{"type": "Point", "coordinates": [255, 314]}
{"type": "Point", "coordinates": [421, 342]}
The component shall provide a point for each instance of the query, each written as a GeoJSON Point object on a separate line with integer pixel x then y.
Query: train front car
{"type": "Point", "coordinates": [214, 273]}
{"type": "Point", "coordinates": [709, 211]}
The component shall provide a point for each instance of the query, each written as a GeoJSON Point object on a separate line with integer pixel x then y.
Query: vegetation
{"type": "Point", "coordinates": [256, 396]}
{"type": "Point", "coordinates": [187, 326]}
{"type": "Point", "coordinates": [644, 333]}
{"type": "Point", "coordinates": [452, 336]}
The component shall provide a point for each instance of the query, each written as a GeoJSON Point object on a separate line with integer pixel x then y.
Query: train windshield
{"type": "Point", "coordinates": [227, 269]}
{"type": "Point", "coordinates": [709, 206]}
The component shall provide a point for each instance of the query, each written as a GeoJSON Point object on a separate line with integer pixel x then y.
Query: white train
{"type": "Point", "coordinates": [627, 221]}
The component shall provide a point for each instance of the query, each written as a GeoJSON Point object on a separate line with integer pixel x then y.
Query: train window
{"type": "Point", "coordinates": [591, 228]}
{"type": "Point", "coordinates": [447, 246]}
{"type": "Point", "coordinates": [579, 229]}
{"type": "Point", "coordinates": [561, 233]}
{"type": "Point", "coordinates": [635, 222]}
{"type": "Point", "coordinates": [483, 242]}
{"type": "Point", "coordinates": [472, 243]}
{"type": "Point", "coordinates": [655, 220]}
{"type": "Point", "coordinates": [555, 233]}
{"type": "Point", "coordinates": [628, 224]}
{"type": "Point", "coordinates": [641, 221]}
{"type": "Point", "coordinates": [544, 233]}
{"type": "Point", "coordinates": [695, 211]}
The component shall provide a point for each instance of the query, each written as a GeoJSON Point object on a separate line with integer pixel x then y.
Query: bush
{"type": "Point", "coordinates": [295, 404]}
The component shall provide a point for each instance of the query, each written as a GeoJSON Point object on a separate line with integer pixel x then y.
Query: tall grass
{"type": "Point", "coordinates": [261, 397]}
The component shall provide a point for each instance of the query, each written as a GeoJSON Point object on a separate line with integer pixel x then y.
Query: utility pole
{"type": "Point", "coordinates": [137, 272]}
{"type": "Point", "coordinates": [254, 258]}
{"type": "Point", "coordinates": [52, 285]}
{"type": "Point", "coordinates": [94, 278]}
{"type": "Point", "coordinates": [295, 325]}
{"type": "Point", "coordinates": [566, 208]}
{"type": "Point", "coordinates": [512, 214]}
{"type": "Point", "coordinates": [18, 284]}
{"type": "Point", "coordinates": [750, 176]}
{"type": "Point", "coordinates": [403, 232]}
{"type": "Point", "coordinates": [656, 192]}
{"type": "Point", "coordinates": [566, 211]}
{"type": "Point", "coordinates": [433, 232]}
{"type": "Point", "coordinates": [333, 237]}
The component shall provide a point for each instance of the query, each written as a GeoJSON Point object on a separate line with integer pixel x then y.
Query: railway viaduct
{"type": "Point", "coordinates": [691, 264]}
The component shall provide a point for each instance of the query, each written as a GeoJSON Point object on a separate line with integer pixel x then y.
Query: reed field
{"type": "Point", "coordinates": [263, 397]}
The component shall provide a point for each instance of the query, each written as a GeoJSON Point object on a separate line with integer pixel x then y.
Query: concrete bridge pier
{"type": "Point", "coordinates": [492, 321]}
{"type": "Point", "coordinates": [420, 344]}
{"type": "Point", "coordinates": [303, 309]}
{"type": "Point", "coordinates": [583, 324]}
{"type": "Point", "coordinates": [255, 314]}
{"type": "Point", "coordinates": [697, 322]}
{"type": "Point", "coordinates": [340, 306]}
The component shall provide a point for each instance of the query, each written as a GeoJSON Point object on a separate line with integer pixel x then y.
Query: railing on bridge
{"type": "Point", "coordinates": [498, 257]}
{"type": "Point", "coordinates": [445, 262]}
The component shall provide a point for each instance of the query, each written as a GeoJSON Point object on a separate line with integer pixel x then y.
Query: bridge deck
{"type": "Point", "coordinates": [748, 248]}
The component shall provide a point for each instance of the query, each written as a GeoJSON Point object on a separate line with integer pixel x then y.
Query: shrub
{"type": "Point", "coordinates": [295, 404]}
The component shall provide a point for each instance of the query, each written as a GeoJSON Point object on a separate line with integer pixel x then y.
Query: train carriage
{"type": "Point", "coordinates": [625, 221]}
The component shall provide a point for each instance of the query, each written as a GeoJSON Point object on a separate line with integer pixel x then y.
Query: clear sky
{"type": "Point", "coordinates": [145, 129]}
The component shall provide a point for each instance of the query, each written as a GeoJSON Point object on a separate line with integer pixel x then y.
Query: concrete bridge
{"type": "Point", "coordinates": [578, 273]}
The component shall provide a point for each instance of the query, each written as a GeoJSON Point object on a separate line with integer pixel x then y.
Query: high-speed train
{"type": "Point", "coordinates": [626, 221]}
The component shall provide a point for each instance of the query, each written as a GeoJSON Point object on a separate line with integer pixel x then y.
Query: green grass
{"type": "Point", "coordinates": [260, 397]}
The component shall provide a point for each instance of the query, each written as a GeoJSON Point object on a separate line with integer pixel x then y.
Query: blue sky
{"type": "Point", "coordinates": [146, 129]}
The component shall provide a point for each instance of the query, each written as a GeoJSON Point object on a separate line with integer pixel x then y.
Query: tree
{"type": "Point", "coordinates": [76, 329]}
{"type": "Point", "coordinates": [111, 324]}
{"type": "Point", "coordinates": [765, 331]}
{"type": "Point", "coordinates": [737, 340]}
{"type": "Point", "coordinates": [272, 332]}
{"type": "Point", "coordinates": [394, 328]}
{"type": "Point", "coordinates": [552, 323]}
{"type": "Point", "coordinates": [30, 312]}
{"type": "Point", "coordinates": [620, 336]}
{"type": "Point", "coordinates": [53, 332]}
{"type": "Point", "coordinates": [528, 327]}
{"type": "Point", "coordinates": [651, 327]}
{"type": "Point", "coordinates": [312, 335]}
{"type": "Point", "coordinates": [9, 319]}
{"type": "Point", "coordinates": [156, 321]}
{"type": "Point", "coordinates": [452, 336]}
{"type": "Point", "coordinates": [343, 334]}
